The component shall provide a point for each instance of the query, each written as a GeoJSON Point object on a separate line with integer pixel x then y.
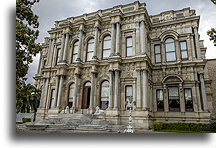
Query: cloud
{"type": "Point", "coordinates": [50, 11]}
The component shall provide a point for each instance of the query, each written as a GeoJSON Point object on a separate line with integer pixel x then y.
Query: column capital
{"type": "Point", "coordinates": [195, 28]}
{"type": "Point", "coordinates": [145, 70]}
{"type": "Point", "coordinates": [138, 69]}
{"type": "Point", "coordinates": [116, 70]}
{"type": "Point", "coordinates": [81, 27]}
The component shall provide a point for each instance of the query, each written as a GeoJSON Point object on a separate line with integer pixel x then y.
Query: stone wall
{"type": "Point", "coordinates": [211, 67]}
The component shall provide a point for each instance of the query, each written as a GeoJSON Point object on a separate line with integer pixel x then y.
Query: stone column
{"type": "Point", "coordinates": [166, 101]}
{"type": "Point", "coordinates": [65, 48]}
{"type": "Point", "coordinates": [92, 94]}
{"type": "Point", "coordinates": [145, 90]}
{"type": "Point", "coordinates": [50, 52]}
{"type": "Point", "coordinates": [113, 41]}
{"type": "Point", "coordinates": [39, 64]}
{"type": "Point", "coordinates": [178, 54]}
{"type": "Point", "coordinates": [195, 105]}
{"type": "Point", "coordinates": [198, 51]}
{"type": "Point", "coordinates": [193, 47]}
{"type": "Point", "coordinates": [163, 52]}
{"type": "Point", "coordinates": [198, 98]}
{"type": "Point", "coordinates": [62, 47]}
{"type": "Point", "coordinates": [116, 91]}
{"type": "Point", "coordinates": [56, 92]}
{"type": "Point", "coordinates": [111, 90]}
{"type": "Point", "coordinates": [142, 38]}
{"type": "Point", "coordinates": [189, 48]}
{"type": "Point", "coordinates": [139, 90]}
{"type": "Point", "coordinates": [96, 43]}
{"type": "Point", "coordinates": [182, 100]}
{"type": "Point", "coordinates": [152, 53]}
{"type": "Point", "coordinates": [118, 35]}
{"type": "Point", "coordinates": [44, 93]}
{"type": "Point", "coordinates": [59, 90]}
{"type": "Point", "coordinates": [75, 92]}
{"type": "Point", "coordinates": [80, 46]}
{"type": "Point", "coordinates": [203, 92]}
{"type": "Point", "coordinates": [137, 38]}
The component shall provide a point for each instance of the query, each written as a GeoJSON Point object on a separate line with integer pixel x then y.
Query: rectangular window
{"type": "Point", "coordinates": [188, 100]}
{"type": "Point", "coordinates": [173, 96]}
{"type": "Point", "coordinates": [75, 52]}
{"type": "Point", "coordinates": [129, 46]}
{"type": "Point", "coordinates": [160, 102]}
{"type": "Point", "coordinates": [183, 46]}
{"type": "Point", "coordinates": [157, 49]}
{"type": "Point", "coordinates": [128, 96]}
{"type": "Point", "coordinates": [52, 98]}
{"type": "Point", "coordinates": [58, 55]}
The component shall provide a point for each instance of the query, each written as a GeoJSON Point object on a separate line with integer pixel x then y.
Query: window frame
{"type": "Point", "coordinates": [168, 52]}
{"type": "Point", "coordinates": [188, 109]}
{"type": "Point", "coordinates": [131, 46]}
{"type": "Point", "coordinates": [157, 53]}
{"type": "Point", "coordinates": [74, 45]}
{"type": "Point", "coordinates": [131, 97]}
{"type": "Point", "coordinates": [159, 101]}
{"type": "Point", "coordinates": [104, 98]}
{"type": "Point", "coordinates": [177, 100]}
{"type": "Point", "coordinates": [184, 49]}
{"type": "Point", "coordinates": [58, 56]}
{"type": "Point", "coordinates": [106, 49]}
{"type": "Point", "coordinates": [87, 49]}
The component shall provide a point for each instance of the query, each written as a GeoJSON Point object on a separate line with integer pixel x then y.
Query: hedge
{"type": "Point", "coordinates": [26, 120]}
{"type": "Point", "coordinates": [185, 126]}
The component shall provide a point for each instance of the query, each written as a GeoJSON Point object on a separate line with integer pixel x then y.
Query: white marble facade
{"type": "Point", "coordinates": [122, 54]}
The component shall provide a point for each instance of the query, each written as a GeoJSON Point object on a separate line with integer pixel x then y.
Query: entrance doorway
{"type": "Point", "coordinates": [86, 95]}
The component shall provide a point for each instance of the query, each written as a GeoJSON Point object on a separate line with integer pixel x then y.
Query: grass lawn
{"type": "Point", "coordinates": [178, 131]}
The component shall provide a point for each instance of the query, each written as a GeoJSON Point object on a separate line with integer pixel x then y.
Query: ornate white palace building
{"type": "Point", "coordinates": [121, 57]}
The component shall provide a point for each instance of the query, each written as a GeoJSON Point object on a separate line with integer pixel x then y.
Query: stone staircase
{"type": "Point", "coordinates": [74, 123]}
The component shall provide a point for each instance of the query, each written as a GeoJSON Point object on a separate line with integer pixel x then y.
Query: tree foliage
{"type": "Point", "coordinates": [26, 47]}
{"type": "Point", "coordinates": [212, 32]}
{"type": "Point", "coordinates": [214, 1]}
{"type": "Point", "coordinates": [29, 99]}
{"type": "Point", "coordinates": [212, 35]}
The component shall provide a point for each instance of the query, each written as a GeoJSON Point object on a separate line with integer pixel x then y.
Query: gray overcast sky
{"type": "Point", "coordinates": [54, 10]}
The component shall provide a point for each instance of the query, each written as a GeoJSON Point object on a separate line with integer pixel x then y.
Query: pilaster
{"type": "Point", "coordinates": [178, 54]}
{"type": "Point", "coordinates": [65, 48]}
{"type": "Point", "coordinates": [116, 91]}
{"type": "Point", "coordinates": [96, 43]}
{"type": "Point", "coordinates": [61, 79]}
{"type": "Point", "coordinates": [145, 89]}
{"type": "Point", "coordinates": [198, 51]}
{"type": "Point", "coordinates": [113, 40]}
{"type": "Point", "coordinates": [138, 90]}
{"type": "Point", "coordinates": [111, 90]}
{"type": "Point", "coordinates": [203, 92]}
{"type": "Point", "coordinates": [118, 35]}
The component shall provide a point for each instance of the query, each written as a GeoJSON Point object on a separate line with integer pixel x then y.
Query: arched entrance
{"type": "Point", "coordinates": [86, 95]}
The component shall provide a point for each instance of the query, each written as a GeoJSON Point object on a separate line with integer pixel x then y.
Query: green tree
{"type": "Point", "coordinates": [212, 32]}
{"type": "Point", "coordinates": [26, 47]}
{"type": "Point", "coordinates": [29, 99]}
{"type": "Point", "coordinates": [214, 1]}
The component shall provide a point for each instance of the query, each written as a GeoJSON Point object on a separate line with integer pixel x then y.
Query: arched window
{"type": "Point", "coordinates": [75, 51]}
{"type": "Point", "coordinates": [170, 50]}
{"type": "Point", "coordinates": [106, 47]}
{"type": "Point", "coordinates": [90, 49]}
{"type": "Point", "coordinates": [71, 95]}
{"type": "Point", "coordinates": [104, 95]}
